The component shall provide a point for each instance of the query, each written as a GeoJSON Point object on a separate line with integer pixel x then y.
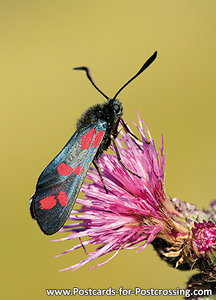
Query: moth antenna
{"type": "Point", "coordinates": [145, 66]}
{"type": "Point", "coordinates": [90, 78]}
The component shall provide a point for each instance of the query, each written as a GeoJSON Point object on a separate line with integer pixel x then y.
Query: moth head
{"type": "Point", "coordinates": [116, 107]}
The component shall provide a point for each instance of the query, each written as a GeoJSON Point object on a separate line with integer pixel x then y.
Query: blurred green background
{"type": "Point", "coordinates": [41, 98]}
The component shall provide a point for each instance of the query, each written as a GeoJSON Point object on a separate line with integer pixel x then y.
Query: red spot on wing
{"type": "Point", "coordinates": [64, 169]}
{"type": "Point", "coordinates": [87, 138]}
{"type": "Point", "coordinates": [98, 138]}
{"type": "Point", "coordinates": [63, 198]}
{"type": "Point", "coordinates": [48, 202]}
{"type": "Point", "coordinates": [79, 170]}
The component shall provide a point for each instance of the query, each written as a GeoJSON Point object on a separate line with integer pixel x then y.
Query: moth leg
{"type": "Point", "coordinates": [115, 132]}
{"type": "Point", "coordinates": [119, 158]}
{"type": "Point", "coordinates": [133, 138]}
{"type": "Point", "coordinates": [126, 128]}
{"type": "Point", "coordinates": [83, 246]}
{"type": "Point", "coordinates": [99, 172]}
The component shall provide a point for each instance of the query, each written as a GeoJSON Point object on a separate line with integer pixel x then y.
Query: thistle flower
{"type": "Point", "coordinates": [137, 211]}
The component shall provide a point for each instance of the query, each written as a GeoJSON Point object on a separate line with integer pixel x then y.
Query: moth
{"type": "Point", "coordinates": [59, 183]}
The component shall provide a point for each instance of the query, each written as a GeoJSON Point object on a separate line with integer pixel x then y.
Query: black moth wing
{"type": "Point", "coordinates": [59, 184]}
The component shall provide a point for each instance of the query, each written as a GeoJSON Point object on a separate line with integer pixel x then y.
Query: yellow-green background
{"type": "Point", "coordinates": [41, 98]}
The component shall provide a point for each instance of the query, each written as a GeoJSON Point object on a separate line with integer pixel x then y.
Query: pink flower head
{"type": "Point", "coordinates": [205, 236]}
{"type": "Point", "coordinates": [135, 209]}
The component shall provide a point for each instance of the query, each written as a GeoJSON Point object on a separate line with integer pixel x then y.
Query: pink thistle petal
{"type": "Point", "coordinates": [151, 236]}
{"type": "Point", "coordinates": [74, 248]}
{"type": "Point", "coordinates": [88, 259]}
{"type": "Point", "coordinates": [103, 263]}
